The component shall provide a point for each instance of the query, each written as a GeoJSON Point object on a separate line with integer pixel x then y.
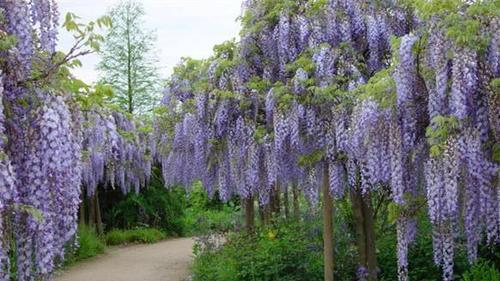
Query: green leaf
{"type": "Point", "coordinates": [32, 211]}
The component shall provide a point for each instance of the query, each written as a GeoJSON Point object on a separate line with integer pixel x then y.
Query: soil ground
{"type": "Point", "coordinates": [164, 261]}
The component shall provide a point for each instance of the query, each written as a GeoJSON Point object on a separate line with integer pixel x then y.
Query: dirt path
{"type": "Point", "coordinates": [164, 261]}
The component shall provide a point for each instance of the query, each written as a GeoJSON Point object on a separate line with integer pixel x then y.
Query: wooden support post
{"type": "Point", "coordinates": [249, 215]}
{"type": "Point", "coordinates": [296, 202]}
{"type": "Point", "coordinates": [98, 216]}
{"type": "Point", "coordinates": [365, 232]}
{"type": "Point", "coordinates": [327, 227]}
{"type": "Point", "coordinates": [286, 203]}
{"type": "Point", "coordinates": [91, 207]}
{"type": "Point", "coordinates": [277, 200]}
{"type": "Point", "coordinates": [82, 212]}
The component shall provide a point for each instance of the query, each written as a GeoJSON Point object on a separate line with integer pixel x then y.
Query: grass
{"type": "Point", "coordinates": [138, 235]}
{"type": "Point", "coordinates": [89, 245]}
{"type": "Point", "coordinates": [199, 222]}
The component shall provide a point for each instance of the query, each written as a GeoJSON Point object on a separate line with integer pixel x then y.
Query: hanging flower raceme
{"type": "Point", "coordinates": [7, 192]}
{"type": "Point", "coordinates": [17, 13]}
{"type": "Point", "coordinates": [327, 91]}
{"type": "Point", "coordinates": [116, 152]}
{"type": "Point", "coordinates": [54, 189]}
{"type": "Point", "coordinates": [46, 14]}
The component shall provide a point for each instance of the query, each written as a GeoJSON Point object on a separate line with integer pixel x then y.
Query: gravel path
{"type": "Point", "coordinates": [164, 261]}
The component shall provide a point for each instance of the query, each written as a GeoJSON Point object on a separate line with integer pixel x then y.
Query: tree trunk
{"type": "Point", "coordinates": [262, 214]}
{"type": "Point", "coordinates": [272, 203]}
{"type": "Point", "coordinates": [267, 214]}
{"type": "Point", "coordinates": [91, 207]}
{"type": "Point", "coordinates": [277, 201]}
{"type": "Point", "coordinates": [365, 233]}
{"type": "Point", "coordinates": [98, 217]}
{"type": "Point", "coordinates": [82, 211]}
{"type": "Point", "coordinates": [370, 239]}
{"type": "Point", "coordinates": [327, 227]}
{"type": "Point", "coordinates": [296, 203]}
{"type": "Point", "coordinates": [249, 215]}
{"type": "Point", "coordinates": [130, 93]}
{"type": "Point", "coordinates": [286, 203]}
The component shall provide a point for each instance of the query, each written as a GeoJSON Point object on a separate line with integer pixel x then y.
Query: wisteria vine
{"type": "Point", "coordinates": [366, 90]}
{"type": "Point", "coordinates": [50, 146]}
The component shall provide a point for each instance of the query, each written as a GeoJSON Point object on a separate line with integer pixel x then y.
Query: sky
{"type": "Point", "coordinates": [184, 28]}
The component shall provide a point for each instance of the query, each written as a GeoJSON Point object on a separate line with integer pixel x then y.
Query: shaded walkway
{"type": "Point", "coordinates": [164, 261]}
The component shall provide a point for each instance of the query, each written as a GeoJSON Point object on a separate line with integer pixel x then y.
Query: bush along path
{"type": "Point", "coordinates": [165, 261]}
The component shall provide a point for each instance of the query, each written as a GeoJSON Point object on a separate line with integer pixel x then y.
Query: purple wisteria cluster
{"type": "Point", "coordinates": [7, 191]}
{"type": "Point", "coordinates": [49, 147]}
{"type": "Point", "coordinates": [309, 90]}
{"type": "Point", "coordinates": [40, 148]}
{"type": "Point", "coordinates": [117, 151]}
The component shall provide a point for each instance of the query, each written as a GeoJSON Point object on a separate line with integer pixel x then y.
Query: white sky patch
{"type": "Point", "coordinates": [184, 28]}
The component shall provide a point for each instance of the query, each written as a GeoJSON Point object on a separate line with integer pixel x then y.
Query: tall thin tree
{"type": "Point", "coordinates": [128, 60]}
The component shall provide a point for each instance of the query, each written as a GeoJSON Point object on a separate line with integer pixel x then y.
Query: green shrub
{"type": "Point", "coordinates": [420, 257]}
{"type": "Point", "coordinates": [198, 222]}
{"type": "Point", "coordinates": [286, 252]}
{"type": "Point", "coordinates": [116, 237]}
{"type": "Point", "coordinates": [139, 235]}
{"type": "Point", "coordinates": [89, 245]}
{"type": "Point", "coordinates": [294, 252]}
{"type": "Point", "coordinates": [148, 236]}
{"type": "Point", "coordinates": [482, 271]}
{"type": "Point", "coordinates": [204, 215]}
{"type": "Point", "coordinates": [154, 207]}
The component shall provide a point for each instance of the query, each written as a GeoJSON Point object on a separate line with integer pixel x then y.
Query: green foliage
{"type": "Point", "coordinates": [312, 158]}
{"type": "Point", "coordinates": [420, 255]}
{"type": "Point", "coordinates": [304, 61]}
{"type": "Point", "coordinates": [89, 245]}
{"type": "Point", "coordinates": [441, 128]}
{"type": "Point", "coordinates": [31, 211]}
{"type": "Point", "coordinates": [197, 222]}
{"type": "Point", "coordinates": [138, 235]}
{"type": "Point", "coordinates": [496, 152]}
{"type": "Point", "coordinates": [128, 59]}
{"type": "Point", "coordinates": [332, 94]}
{"type": "Point", "coordinates": [429, 8]}
{"type": "Point", "coordinates": [413, 207]}
{"type": "Point", "coordinates": [223, 66]}
{"type": "Point", "coordinates": [286, 251]}
{"type": "Point", "coordinates": [6, 41]}
{"type": "Point", "coordinates": [225, 95]}
{"type": "Point", "coordinates": [463, 20]}
{"type": "Point", "coordinates": [259, 84]}
{"type": "Point", "coordinates": [276, 254]}
{"type": "Point", "coordinates": [495, 86]}
{"type": "Point", "coordinates": [86, 32]}
{"type": "Point", "coordinates": [381, 88]}
{"type": "Point", "coordinates": [86, 96]}
{"type": "Point", "coordinates": [316, 6]}
{"type": "Point", "coordinates": [225, 49]}
{"type": "Point", "coordinates": [482, 271]}
{"type": "Point", "coordinates": [204, 215]}
{"type": "Point", "coordinates": [260, 134]}
{"type": "Point", "coordinates": [466, 32]}
{"type": "Point", "coordinates": [154, 207]}
{"type": "Point", "coordinates": [193, 71]}
{"type": "Point", "coordinates": [293, 251]}
{"type": "Point", "coordinates": [54, 70]}
{"type": "Point", "coordinates": [188, 68]}
{"type": "Point", "coordinates": [271, 12]}
{"type": "Point", "coordinates": [283, 95]}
